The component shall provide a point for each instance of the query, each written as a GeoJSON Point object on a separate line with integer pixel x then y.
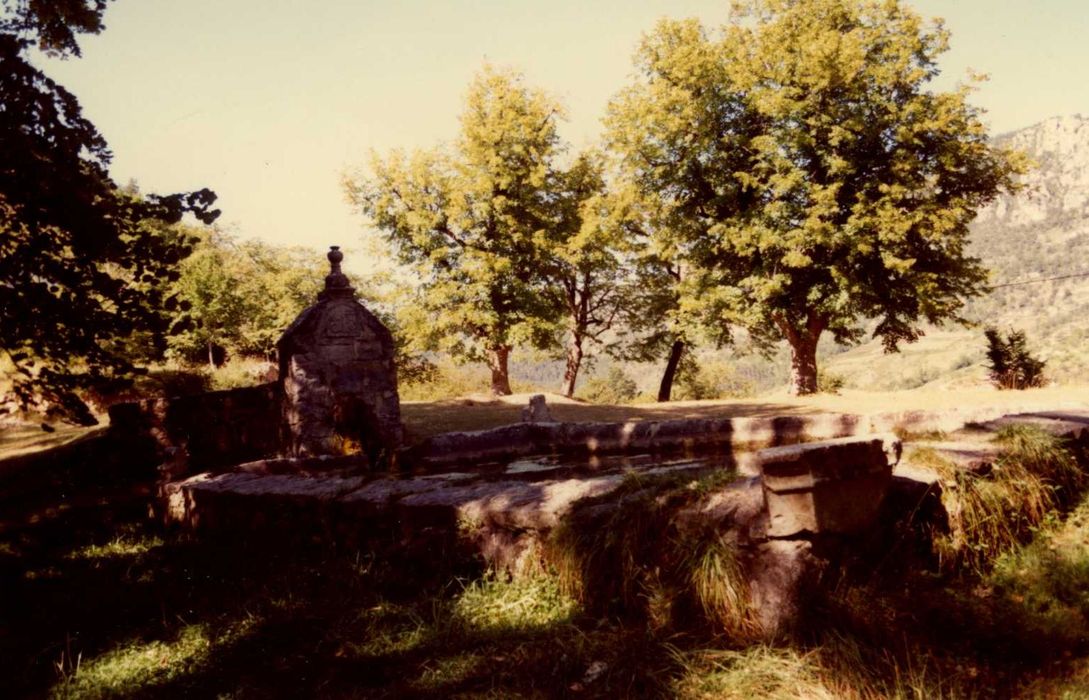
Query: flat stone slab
{"type": "Point", "coordinates": [226, 500]}
{"type": "Point", "coordinates": [525, 439]}
{"type": "Point", "coordinates": [972, 456]}
{"type": "Point", "coordinates": [1069, 424]}
{"type": "Point", "coordinates": [462, 499]}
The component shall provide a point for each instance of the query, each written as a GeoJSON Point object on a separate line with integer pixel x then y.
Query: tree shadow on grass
{"type": "Point", "coordinates": [151, 614]}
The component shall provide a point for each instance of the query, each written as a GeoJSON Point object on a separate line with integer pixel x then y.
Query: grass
{"type": "Point", "coordinates": [1036, 475]}
{"type": "Point", "coordinates": [100, 603]}
{"type": "Point", "coordinates": [22, 439]}
{"type": "Point", "coordinates": [632, 560]}
{"type": "Point", "coordinates": [128, 612]}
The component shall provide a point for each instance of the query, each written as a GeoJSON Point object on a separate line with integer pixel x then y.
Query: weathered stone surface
{"type": "Point", "coordinates": [1069, 424]}
{"type": "Point", "coordinates": [687, 435]}
{"type": "Point", "coordinates": [737, 510]}
{"type": "Point", "coordinates": [834, 486]}
{"type": "Point", "coordinates": [972, 456]}
{"type": "Point", "coordinates": [781, 574]}
{"type": "Point", "coordinates": [338, 376]}
{"type": "Point", "coordinates": [534, 505]}
{"type": "Point", "coordinates": [247, 502]}
{"type": "Point", "coordinates": [537, 410]}
{"type": "Point", "coordinates": [323, 464]}
{"type": "Point", "coordinates": [206, 431]}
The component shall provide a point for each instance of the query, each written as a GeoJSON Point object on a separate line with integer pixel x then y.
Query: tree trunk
{"type": "Point", "coordinates": [571, 371]}
{"type": "Point", "coordinates": [803, 364]}
{"type": "Point", "coordinates": [666, 388]}
{"type": "Point", "coordinates": [497, 362]}
{"type": "Point", "coordinates": [211, 356]}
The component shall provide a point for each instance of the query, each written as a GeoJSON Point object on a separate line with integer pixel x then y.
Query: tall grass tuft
{"type": "Point", "coordinates": [631, 559]}
{"type": "Point", "coordinates": [719, 585]}
{"type": "Point", "coordinates": [1036, 475]}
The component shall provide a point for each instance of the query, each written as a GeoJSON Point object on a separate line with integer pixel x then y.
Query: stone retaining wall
{"type": "Point", "coordinates": [207, 431]}
{"type": "Point", "coordinates": [684, 435]}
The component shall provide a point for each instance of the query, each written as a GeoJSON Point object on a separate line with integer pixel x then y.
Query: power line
{"type": "Point", "coordinates": [1045, 279]}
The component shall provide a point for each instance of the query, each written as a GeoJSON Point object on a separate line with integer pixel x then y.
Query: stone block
{"type": "Point", "coordinates": [537, 411]}
{"type": "Point", "coordinates": [835, 486]}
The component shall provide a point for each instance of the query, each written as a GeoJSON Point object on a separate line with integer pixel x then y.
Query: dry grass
{"type": "Point", "coordinates": [22, 439]}
{"type": "Point", "coordinates": [632, 560]}
{"type": "Point", "coordinates": [1036, 475]}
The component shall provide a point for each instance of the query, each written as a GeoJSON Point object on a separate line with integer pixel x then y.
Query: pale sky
{"type": "Point", "coordinates": [267, 102]}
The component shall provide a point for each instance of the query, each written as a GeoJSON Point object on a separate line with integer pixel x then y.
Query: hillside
{"type": "Point", "coordinates": [1038, 233]}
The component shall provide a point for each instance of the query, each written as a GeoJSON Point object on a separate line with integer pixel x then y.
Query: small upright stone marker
{"type": "Point", "coordinates": [537, 410]}
{"type": "Point", "coordinates": [338, 375]}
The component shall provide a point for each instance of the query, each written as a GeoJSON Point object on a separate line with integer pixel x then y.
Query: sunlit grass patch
{"type": "Point", "coordinates": [719, 585]}
{"type": "Point", "coordinates": [448, 670]}
{"type": "Point", "coordinates": [141, 665]}
{"type": "Point", "coordinates": [386, 629]}
{"type": "Point", "coordinates": [124, 545]}
{"type": "Point", "coordinates": [839, 668]}
{"type": "Point", "coordinates": [757, 672]}
{"type": "Point", "coordinates": [493, 605]}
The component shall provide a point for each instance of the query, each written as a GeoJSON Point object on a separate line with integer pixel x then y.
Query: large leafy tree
{"type": "Point", "coordinates": [470, 221]}
{"type": "Point", "coordinates": [584, 254]}
{"type": "Point", "coordinates": [808, 175]}
{"type": "Point", "coordinates": [79, 265]}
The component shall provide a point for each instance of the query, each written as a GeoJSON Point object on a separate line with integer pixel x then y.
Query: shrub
{"type": "Point", "coordinates": [1009, 362]}
{"type": "Point", "coordinates": [711, 380]}
{"type": "Point", "coordinates": [615, 387]}
{"type": "Point", "coordinates": [830, 382]}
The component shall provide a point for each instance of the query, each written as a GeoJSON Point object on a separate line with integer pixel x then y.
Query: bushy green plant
{"type": "Point", "coordinates": [989, 515]}
{"type": "Point", "coordinates": [1010, 363]}
{"type": "Point", "coordinates": [615, 387]}
{"type": "Point", "coordinates": [700, 381]}
{"type": "Point", "coordinates": [830, 382]}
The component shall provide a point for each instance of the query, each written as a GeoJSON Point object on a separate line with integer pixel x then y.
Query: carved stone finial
{"type": "Point", "coordinates": [336, 282]}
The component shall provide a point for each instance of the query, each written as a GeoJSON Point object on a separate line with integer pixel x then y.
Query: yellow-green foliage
{"type": "Point", "coordinates": [720, 585]}
{"type": "Point", "coordinates": [478, 255]}
{"type": "Point", "coordinates": [790, 182]}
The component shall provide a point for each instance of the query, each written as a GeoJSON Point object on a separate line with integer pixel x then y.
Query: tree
{"type": "Point", "coordinates": [583, 258]}
{"type": "Point", "coordinates": [213, 285]}
{"type": "Point", "coordinates": [652, 317]}
{"type": "Point", "coordinates": [78, 263]}
{"type": "Point", "coordinates": [654, 322]}
{"type": "Point", "coordinates": [470, 223]}
{"type": "Point", "coordinates": [809, 176]}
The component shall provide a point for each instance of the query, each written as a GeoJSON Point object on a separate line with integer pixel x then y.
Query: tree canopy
{"type": "Point", "coordinates": [470, 221]}
{"type": "Point", "coordinates": [80, 261]}
{"type": "Point", "coordinates": [806, 174]}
